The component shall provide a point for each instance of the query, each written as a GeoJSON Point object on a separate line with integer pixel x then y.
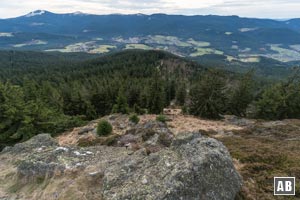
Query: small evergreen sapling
{"type": "Point", "coordinates": [134, 118]}
{"type": "Point", "coordinates": [104, 128]}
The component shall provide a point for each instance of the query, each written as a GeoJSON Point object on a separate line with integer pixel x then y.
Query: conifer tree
{"type": "Point", "coordinates": [156, 96]}
{"type": "Point", "coordinates": [242, 95]}
{"type": "Point", "coordinates": [181, 94]}
{"type": "Point", "coordinates": [207, 97]}
{"type": "Point", "coordinates": [121, 105]}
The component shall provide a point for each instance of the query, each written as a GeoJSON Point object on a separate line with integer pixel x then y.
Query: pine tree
{"type": "Point", "coordinates": [11, 111]}
{"type": "Point", "coordinates": [279, 101]}
{"type": "Point", "coordinates": [121, 105]}
{"type": "Point", "coordinates": [170, 91]}
{"type": "Point", "coordinates": [156, 96]}
{"type": "Point", "coordinates": [181, 94]}
{"type": "Point", "coordinates": [242, 95]}
{"type": "Point", "coordinates": [207, 97]}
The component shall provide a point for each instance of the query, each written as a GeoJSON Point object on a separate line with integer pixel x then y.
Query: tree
{"type": "Point", "coordinates": [11, 111]}
{"type": "Point", "coordinates": [156, 96]}
{"type": "Point", "coordinates": [181, 94]}
{"type": "Point", "coordinates": [22, 117]}
{"type": "Point", "coordinates": [121, 105]}
{"type": "Point", "coordinates": [101, 103]}
{"type": "Point", "coordinates": [207, 97]}
{"type": "Point", "coordinates": [279, 101]}
{"type": "Point", "coordinates": [170, 91]}
{"type": "Point", "coordinates": [242, 95]}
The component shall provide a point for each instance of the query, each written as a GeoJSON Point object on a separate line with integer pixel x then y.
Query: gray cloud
{"type": "Point", "coordinates": [253, 8]}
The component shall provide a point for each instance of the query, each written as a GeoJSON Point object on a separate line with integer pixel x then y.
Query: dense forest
{"type": "Point", "coordinates": [46, 92]}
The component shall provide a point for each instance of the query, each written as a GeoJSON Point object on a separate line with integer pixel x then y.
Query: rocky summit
{"type": "Point", "coordinates": [187, 166]}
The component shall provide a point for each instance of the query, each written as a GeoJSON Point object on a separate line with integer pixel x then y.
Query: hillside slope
{"type": "Point", "coordinates": [241, 39]}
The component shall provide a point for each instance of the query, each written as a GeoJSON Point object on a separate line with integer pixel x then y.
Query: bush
{"type": "Point", "coordinates": [161, 118]}
{"type": "Point", "coordinates": [134, 118]}
{"type": "Point", "coordinates": [104, 128]}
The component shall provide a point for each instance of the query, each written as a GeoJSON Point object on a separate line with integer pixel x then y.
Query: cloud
{"type": "Point", "coordinates": [253, 8]}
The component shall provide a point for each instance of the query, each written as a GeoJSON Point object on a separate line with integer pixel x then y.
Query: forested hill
{"type": "Point", "coordinates": [41, 92]}
{"type": "Point", "coordinates": [39, 66]}
{"type": "Point", "coordinates": [51, 92]}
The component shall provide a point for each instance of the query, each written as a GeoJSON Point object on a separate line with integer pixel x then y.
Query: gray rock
{"type": "Point", "coordinates": [193, 168]}
{"type": "Point", "coordinates": [238, 121]}
{"type": "Point", "coordinates": [128, 138]}
{"type": "Point", "coordinates": [39, 170]}
{"type": "Point", "coordinates": [151, 132]}
{"type": "Point", "coordinates": [35, 142]}
{"type": "Point", "coordinates": [85, 130]}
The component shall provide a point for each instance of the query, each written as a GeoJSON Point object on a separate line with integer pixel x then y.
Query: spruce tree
{"type": "Point", "coordinates": [181, 94]}
{"type": "Point", "coordinates": [241, 95]}
{"type": "Point", "coordinates": [156, 96]}
{"type": "Point", "coordinates": [207, 97]}
{"type": "Point", "coordinates": [121, 105]}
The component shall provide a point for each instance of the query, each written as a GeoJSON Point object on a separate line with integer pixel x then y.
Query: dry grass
{"type": "Point", "coordinates": [263, 155]}
{"type": "Point", "coordinates": [183, 124]}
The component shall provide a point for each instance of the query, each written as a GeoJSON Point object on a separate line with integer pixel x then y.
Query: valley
{"type": "Point", "coordinates": [244, 40]}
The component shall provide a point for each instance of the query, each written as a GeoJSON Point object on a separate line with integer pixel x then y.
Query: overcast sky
{"type": "Point", "coordinates": [280, 9]}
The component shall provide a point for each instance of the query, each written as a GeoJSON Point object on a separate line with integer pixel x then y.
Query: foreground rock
{"type": "Point", "coordinates": [193, 168]}
{"type": "Point", "coordinates": [189, 167]}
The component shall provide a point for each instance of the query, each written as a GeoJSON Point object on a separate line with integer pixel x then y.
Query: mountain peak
{"type": "Point", "coordinates": [36, 12]}
{"type": "Point", "coordinates": [79, 13]}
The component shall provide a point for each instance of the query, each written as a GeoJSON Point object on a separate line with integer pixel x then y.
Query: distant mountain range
{"type": "Point", "coordinates": [230, 38]}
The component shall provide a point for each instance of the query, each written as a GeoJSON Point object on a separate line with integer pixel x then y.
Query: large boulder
{"type": "Point", "coordinates": [193, 168]}
{"type": "Point", "coordinates": [189, 167]}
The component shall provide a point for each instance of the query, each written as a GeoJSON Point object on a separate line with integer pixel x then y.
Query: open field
{"type": "Point", "coordinates": [6, 35]}
{"type": "Point", "coordinates": [138, 46]}
{"type": "Point", "coordinates": [249, 58]}
{"type": "Point", "coordinates": [204, 51]}
{"type": "Point", "coordinates": [283, 54]}
{"type": "Point", "coordinates": [30, 43]}
{"type": "Point", "coordinates": [166, 40]}
{"type": "Point", "coordinates": [296, 47]}
{"type": "Point", "coordinates": [103, 49]}
{"type": "Point", "coordinates": [90, 47]}
{"type": "Point", "coordinates": [198, 43]}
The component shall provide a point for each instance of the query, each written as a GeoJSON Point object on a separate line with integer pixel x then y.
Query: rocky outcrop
{"type": "Point", "coordinates": [152, 135]}
{"type": "Point", "coordinates": [186, 167]}
{"type": "Point", "coordinates": [194, 167]}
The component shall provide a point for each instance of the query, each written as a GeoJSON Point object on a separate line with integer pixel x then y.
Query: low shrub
{"type": "Point", "coordinates": [104, 128]}
{"type": "Point", "coordinates": [134, 118]}
{"type": "Point", "coordinates": [161, 118]}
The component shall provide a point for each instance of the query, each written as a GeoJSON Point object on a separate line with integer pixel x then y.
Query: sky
{"type": "Point", "coordinates": [276, 9]}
